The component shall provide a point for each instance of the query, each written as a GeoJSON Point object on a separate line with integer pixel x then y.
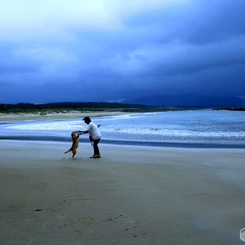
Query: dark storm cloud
{"type": "Point", "coordinates": [181, 47]}
{"type": "Point", "coordinates": [197, 22]}
{"type": "Point", "coordinates": [15, 61]}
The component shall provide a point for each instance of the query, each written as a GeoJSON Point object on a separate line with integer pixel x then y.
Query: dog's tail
{"type": "Point", "coordinates": [67, 151]}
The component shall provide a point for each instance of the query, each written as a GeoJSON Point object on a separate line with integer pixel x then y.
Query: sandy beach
{"type": "Point", "coordinates": [132, 195]}
{"type": "Point", "coordinates": [54, 115]}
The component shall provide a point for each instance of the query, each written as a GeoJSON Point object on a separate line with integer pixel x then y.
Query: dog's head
{"type": "Point", "coordinates": [73, 134]}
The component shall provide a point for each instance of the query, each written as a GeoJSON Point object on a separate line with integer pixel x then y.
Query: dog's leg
{"type": "Point", "coordinates": [74, 153]}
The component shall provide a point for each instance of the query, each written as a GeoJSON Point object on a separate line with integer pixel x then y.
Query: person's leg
{"type": "Point", "coordinates": [96, 148]}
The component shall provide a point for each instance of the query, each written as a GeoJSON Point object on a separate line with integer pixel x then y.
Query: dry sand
{"type": "Point", "coordinates": [132, 195]}
{"type": "Point", "coordinates": [53, 115]}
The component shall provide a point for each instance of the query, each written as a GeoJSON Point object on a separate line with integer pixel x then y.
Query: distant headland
{"type": "Point", "coordinates": [231, 109]}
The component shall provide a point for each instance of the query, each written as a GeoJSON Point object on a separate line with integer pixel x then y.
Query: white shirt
{"type": "Point", "coordinates": [94, 131]}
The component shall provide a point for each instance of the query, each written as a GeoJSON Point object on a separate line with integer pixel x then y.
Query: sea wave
{"type": "Point", "coordinates": [164, 126]}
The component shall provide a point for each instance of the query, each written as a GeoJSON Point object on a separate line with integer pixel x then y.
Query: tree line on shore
{"type": "Point", "coordinates": [91, 106]}
{"type": "Point", "coordinates": [80, 106]}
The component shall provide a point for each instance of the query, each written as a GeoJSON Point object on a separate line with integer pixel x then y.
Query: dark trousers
{"type": "Point", "coordinates": [95, 145]}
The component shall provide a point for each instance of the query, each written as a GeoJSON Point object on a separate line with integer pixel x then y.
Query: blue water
{"type": "Point", "coordinates": [193, 126]}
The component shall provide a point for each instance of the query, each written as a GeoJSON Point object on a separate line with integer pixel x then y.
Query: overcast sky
{"type": "Point", "coordinates": [110, 50]}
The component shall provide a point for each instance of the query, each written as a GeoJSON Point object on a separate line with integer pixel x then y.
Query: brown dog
{"type": "Point", "coordinates": [75, 142]}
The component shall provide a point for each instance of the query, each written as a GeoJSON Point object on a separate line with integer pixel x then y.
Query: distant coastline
{"type": "Point", "coordinates": [91, 107]}
{"type": "Point", "coordinates": [74, 107]}
{"type": "Point", "coordinates": [230, 109]}
{"type": "Point", "coordinates": [66, 108]}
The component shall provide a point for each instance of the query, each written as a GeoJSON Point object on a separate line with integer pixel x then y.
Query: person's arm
{"type": "Point", "coordinates": [83, 132]}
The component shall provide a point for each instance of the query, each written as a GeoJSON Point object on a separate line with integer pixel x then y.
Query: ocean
{"type": "Point", "coordinates": [193, 128]}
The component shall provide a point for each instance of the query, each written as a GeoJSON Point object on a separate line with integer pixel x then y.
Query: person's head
{"type": "Point", "coordinates": [87, 120]}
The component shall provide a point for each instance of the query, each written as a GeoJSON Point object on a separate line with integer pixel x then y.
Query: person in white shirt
{"type": "Point", "coordinates": [94, 136]}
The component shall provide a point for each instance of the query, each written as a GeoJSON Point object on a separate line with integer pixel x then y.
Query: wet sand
{"type": "Point", "coordinates": [132, 195]}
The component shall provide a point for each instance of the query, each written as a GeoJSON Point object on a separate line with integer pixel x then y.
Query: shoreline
{"type": "Point", "coordinates": [194, 145]}
{"type": "Point", "coordinates": [131, 195]}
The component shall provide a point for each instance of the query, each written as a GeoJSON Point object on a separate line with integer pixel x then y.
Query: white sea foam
{"type": "Point", "coordinates": [172, 132]}
{"type": "Point", "coordinates": [48, 126]}
{"type": "Point", "coordinates": [122, 117]}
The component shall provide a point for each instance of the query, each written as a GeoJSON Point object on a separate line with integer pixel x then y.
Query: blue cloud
{"type": "Point", "coordinates": [190, 46]}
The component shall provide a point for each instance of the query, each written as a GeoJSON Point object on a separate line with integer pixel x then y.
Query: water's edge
{"type": "Point", "coordinates": [136, 143]}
